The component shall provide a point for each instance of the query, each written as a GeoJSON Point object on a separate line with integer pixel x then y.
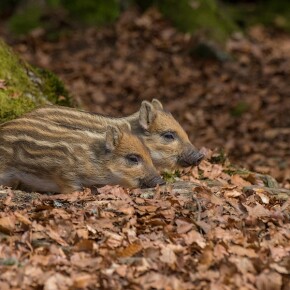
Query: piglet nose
{"type": "Point", "coordinates": [155, 181]}
{"type": "Point", "coordinates": [152, 181]}
{"type": "Point", "coordinates": [159, 180]}
{"type": "Point", "coordinates": [199, 156]}
{"type": "Point", "coordinates": [190, 157]}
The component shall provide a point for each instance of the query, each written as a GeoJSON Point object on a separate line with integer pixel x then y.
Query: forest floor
{"type": "Point", "coordinates": [214, 227]}
{"type": "Point", "coordinates": [210, 230]}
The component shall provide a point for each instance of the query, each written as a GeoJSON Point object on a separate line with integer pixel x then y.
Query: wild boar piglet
{"type": "Point", "coordinates": [165, 138]}
{"type": "Point", "coordinates": [45, 156]}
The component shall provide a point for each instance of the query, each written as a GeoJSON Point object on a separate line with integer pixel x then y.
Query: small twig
{"type": "Point", "coordinates": [198, 208]}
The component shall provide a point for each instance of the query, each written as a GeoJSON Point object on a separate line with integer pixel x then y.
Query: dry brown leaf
{"type": "Point", "coordinates": [280, 269]}
{"type": "Point", "coordinates": [257, 211]}
{"type": "Point", "coordinates": [158, 281]}
{"type": "Point", "coordinates": [7, 224]}
{"type": "Point", "coordinates": [32, 275]}
{"type": "Point", "coordinates": [122, 270]}
{"type": "Point", "coordinates": [113, 240]}
{"type": "Point", "coordinates": [83, 234]}
{"type": "Point", "coordinates": [232, 193]}
{"type": "Point", "coordinates": [206, 259]}
{"type": "Point", "coordinates": [168, 256]}
{"type": "Point", "coordinates": [23, 219]}
{"type": "Point", "coordinates": [83, 260]}
{"type": "Point", "coordinates": [146, 208]}
{"type": "Point", "coordinates": [269, 280]}
{"type": "Point", "coordinates": [239, 181]}
{"type": "Point", "coordinates": [243, 264]}
{"type": "Point", "coordinates": [211, 171]}
{"type": "Point", "coordinates": [4, 286]}
{"type": "Point", "coordinates": [195, 237]}
{"type": "Point", "coordinates": [168, 214]}
{"type": "Point", "coordinates": [40, 260]}
{"type": "Point", "coordinates": [116, 191]}
{"type": "Point", "coordinates": [278, 252]}
{"type": "Point", "coordinates": [130, 250]}
{"type": "Point", "coordinates": [72, 197]}
{"type": "Point", "coordinates": [84, 245]}
{"type": "Point", "coordinates": [82, 280]}
{"type": "Point", "coordinates": [216, 200]}
{"type": "Point", "coordinates": [220, 252]}
{"type": "Point", "coordinates": [183, 226]}
{"type": "Point", "coordinates": [58, 281]}
{"type": "Point", "coordinates": [241, 251]}
{"type": "Point", "coordinates": [55, 236]}
{"type": "Point", "coordinates": [206, 227]}
{"type": "Point", "coordinates": [123, 207]}
{"type": "Point", "coordinates": [263, 195]}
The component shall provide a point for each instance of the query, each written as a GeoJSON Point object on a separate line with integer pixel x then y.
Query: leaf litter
{"type": "Point", "coordinates": [217, 226]}
{"type": "Point", "coordinates": [112, 238]}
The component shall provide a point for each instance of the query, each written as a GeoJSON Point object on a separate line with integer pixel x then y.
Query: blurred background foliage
{"type": "Point", "coordinates": [211, 18]}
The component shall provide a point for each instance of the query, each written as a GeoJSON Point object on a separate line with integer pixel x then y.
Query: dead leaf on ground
{"type": "Point", "coordinates": [7, 224]}
{"type": "Point", "coordinates": [130, 250]}
{"type": "Point", "coordinates": [58, 281]}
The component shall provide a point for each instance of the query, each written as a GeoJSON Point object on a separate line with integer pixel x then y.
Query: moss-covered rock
{"type": "Point", "coordinates": [23, 87]}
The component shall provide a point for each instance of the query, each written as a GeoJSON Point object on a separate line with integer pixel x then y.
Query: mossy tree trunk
{"type": "Point", "coordinates": [23, 87]}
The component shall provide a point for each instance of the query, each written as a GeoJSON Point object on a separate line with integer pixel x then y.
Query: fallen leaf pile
{"type": "Point", "coordinates": [241, 105]}
{"type": "Point", "coordinates": [212, 229]}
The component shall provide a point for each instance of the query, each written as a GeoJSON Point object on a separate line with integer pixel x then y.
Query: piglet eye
{"type": "Point", "coordinates": [133, 158]}
{"type": "Point", "coordinates": [169, 136]}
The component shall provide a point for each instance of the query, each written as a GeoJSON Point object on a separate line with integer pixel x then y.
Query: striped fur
{"type": "Point", "coordinates": [150, 123]}
{"type": "Point", "coordinates": [43, 155]}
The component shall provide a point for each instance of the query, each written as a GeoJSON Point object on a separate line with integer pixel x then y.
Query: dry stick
{"type": "Point", "coordinates": [198, 207]}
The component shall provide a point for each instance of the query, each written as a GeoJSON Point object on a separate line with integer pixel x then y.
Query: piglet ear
{"type": "Point", "coordinates": [147, 115]}
{"type": "Point", "coordinates": [113, 138]}
{"type": "Point", "coordinates": [157, 104]}
{"type": "Point", "coordinates": [125, 126]}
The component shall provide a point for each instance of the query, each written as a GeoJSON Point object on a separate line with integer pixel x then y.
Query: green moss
{"type": "Point", "coordinates": [207, 50]}
{"type": "Point", "coordinates": [27, 19]}
{"type": "Point", "coordinates": [9, 262]}
{"type": "Point", "coordinates": [267, 12]}
{"type": "Point", "coordinates": [13, 71]}
{"type": "Point", "coordinates": [10, 108]}
{"type": "Point", "coordinates": [199, 15]}
{"type": "Point", "coordinates": [209, 17]}
{"type": "Point", "coordinates": [232, 170]}
{"type": "Point", "coordinates": [19, 94]}
{"type": "Point", "coordinates": [170, 176]}
{"type": "Point", "coordinates": [219, 157]}
{"type": "Point", "coordinates": [93, 12]}
{"type": "Point", "coordinates": [54, 89]}
{"type": "Point", "coordinates": [25, 87]}
{"type": "Point", "coordinates": [31, 15]}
